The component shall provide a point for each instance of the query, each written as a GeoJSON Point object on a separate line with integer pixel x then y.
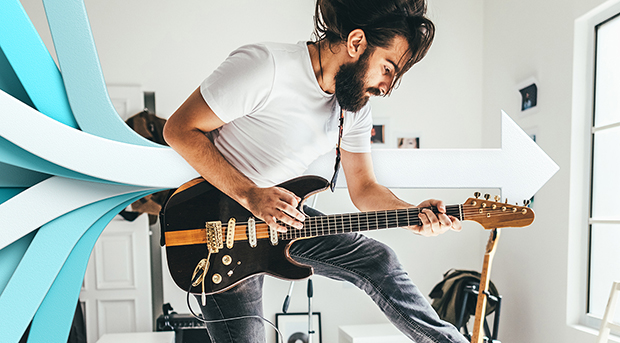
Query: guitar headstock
{"type": "Point", "coordinates": [496, 214]}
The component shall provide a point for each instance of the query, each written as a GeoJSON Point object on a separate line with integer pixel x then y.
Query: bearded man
{"type": "Point", "coordinates": [269, 110]}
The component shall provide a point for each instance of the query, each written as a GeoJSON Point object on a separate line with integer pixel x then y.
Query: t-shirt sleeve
{"type": "Point", "coordinates": [242, 84]}
{"type": "Point", "coordinates": [356, 131]}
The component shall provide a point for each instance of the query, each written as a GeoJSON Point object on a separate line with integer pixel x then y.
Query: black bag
{"type": "Point", "coordinates": [447, 295]}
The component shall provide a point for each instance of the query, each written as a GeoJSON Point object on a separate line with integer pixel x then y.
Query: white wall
{"type": "Point", "coordinates": [170, 47]}
{"type": "Point", "coordinates": [522, 39]}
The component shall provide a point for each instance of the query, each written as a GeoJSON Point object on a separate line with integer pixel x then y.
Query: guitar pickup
{"type": "Point", "coordinates": [252, 232]}
{"type": "Point", "coordinates": [230, 233]}
{"type": "Point", "coordinates": [273, 236]}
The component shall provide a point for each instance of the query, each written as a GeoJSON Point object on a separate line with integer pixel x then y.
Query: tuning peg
{"type": "Point", "coordinates": [506, 201]}
{"type": "Point", "coordinates": [487, 196]}
{"type": "Point", "coordinates": [497, 198]}
{"type": "Point", "coordinates": [477, 194]}
{"type": "Point", "coordinates": [526, 202]}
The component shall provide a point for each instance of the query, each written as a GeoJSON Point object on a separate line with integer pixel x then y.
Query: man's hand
{"type": "Point", "coordinates": [275, 203]}
{"type": "Point", "coordinates": [434, 224]}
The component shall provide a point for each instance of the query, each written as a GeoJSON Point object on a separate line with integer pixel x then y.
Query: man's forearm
{"type": "Point", "coordinates": [202, 154]}
{"type": "Point", "coordinates": [375, 197]}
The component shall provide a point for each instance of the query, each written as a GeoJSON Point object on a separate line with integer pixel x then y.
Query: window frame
{"type": "Point", "coordinates": [582, 137]}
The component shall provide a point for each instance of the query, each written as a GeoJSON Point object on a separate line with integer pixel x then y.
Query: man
{"type": "Point", "coordinates": [271, 109]}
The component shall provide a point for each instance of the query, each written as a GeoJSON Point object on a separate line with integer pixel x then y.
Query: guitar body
{"type": "Point", "coordinates": [196, 203]}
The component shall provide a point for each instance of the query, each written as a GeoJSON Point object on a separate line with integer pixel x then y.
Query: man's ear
{"type": "Point", "coordinates": [356, 43]}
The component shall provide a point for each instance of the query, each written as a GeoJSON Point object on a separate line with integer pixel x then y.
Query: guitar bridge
{"type": "Point", "coordinates": [215, 241]}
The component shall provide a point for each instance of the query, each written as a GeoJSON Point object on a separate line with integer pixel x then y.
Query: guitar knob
{"type": "Point", "coordinates": [477, 194]}
{"type": "Point", "coordinates": [217, 278]}
{"type": "Point", "coordinates": [526, 202]}
{"type": "Point", "coordinates": [497, 198]}
{"type": "Point", "coordinates": [487, 196]}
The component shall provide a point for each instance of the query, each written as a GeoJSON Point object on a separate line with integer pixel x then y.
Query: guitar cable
{"type": "Point", "coordinates": [199, 278]}
{"type": "Point", "coordinates": [189, 306]}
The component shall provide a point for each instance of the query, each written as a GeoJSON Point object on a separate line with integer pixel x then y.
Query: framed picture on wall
{"type": "Point", "coordinates": [408, 142]}
{"type": "Point", "coordinates": [528, 96]}
{"type": "Point", "coordinates": [380, 135]}
{"type": "Point", "coordinates": [294, 327]}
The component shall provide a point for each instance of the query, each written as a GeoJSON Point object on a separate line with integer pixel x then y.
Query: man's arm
{"type": "Point", "coordinates": [368, 195]}
{"type": "Point", "coordinates": [185, 133]}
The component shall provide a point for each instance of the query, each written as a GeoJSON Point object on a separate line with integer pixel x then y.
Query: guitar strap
{"type": "Point", "coordinates": [332, 183]}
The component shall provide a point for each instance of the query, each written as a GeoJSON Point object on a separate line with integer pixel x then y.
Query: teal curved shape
{"type": "Point", "coordinates": [9, 82]}
{"type": "Point", "coordinates": [42, 262]}
{"type": "Point", "coordinates": [32, 63]}
{"type": "Point", "coordinates": [13, 253]}
{"type": "Point", "coordinates": [13, 155]}
{"type": "Point", "coordinates": [13, 176]}
{"type": "Point", "coordinates": [10, 257]}
{"type": "Point", "coordinates": [62, 297]}
{"type": "Point", "coordinates": [82, 75]}
{"type": "Point", "coordinates": [7, 193]}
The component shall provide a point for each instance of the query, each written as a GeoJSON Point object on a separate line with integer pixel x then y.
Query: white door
{"type": "Point", "coordinates": [116, 294]}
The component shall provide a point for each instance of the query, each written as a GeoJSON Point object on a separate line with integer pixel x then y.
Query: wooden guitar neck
{"type": "Point", "coordinates": [483, 289]}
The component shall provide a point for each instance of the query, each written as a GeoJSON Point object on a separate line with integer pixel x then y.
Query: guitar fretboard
{"type": "Point", "coordinates": [334, 224]}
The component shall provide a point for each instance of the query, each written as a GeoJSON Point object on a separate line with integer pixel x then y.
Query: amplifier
{"type": "Point", "coordinates": [187, 329]}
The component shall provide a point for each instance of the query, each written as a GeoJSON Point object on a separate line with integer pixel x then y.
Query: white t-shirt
{"type": "Point", "coordinates": [278, 119]}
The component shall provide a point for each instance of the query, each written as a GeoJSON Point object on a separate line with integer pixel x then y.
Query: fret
{"type": "Point", "coordinates": [408, 220]}
{"type": "Point", "coordinates": [396, 212]}
{"type": "Point", "coordinates": [372, 220]}
{"type": "Point", "coordinates": [356, 221]}
{"type": "Point", "coordinates": [392, 219]}
{"type": "Point", "coordinates": [382, 220]}
{"type": "Point", "coordinates": [350, 224]}
{"type": "Point", "coordinates": [404, 220]}
{"type": "Point", "coordinates": [331, 225]}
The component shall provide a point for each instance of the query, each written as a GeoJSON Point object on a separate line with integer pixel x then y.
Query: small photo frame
{"type": "Point", "coordinates": [528, 96]}
{"type": "Point", "coordinates": [294, 327]}
{"type": "Point", "coordinates": [380, 134]}
{"type": "Point", "coordinates": [377, 135]}
{"type": "Point", "coordinates": [408, 142]}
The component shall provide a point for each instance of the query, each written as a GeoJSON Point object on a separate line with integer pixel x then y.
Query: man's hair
{"type": "Point", "coordinates": [381, 21]}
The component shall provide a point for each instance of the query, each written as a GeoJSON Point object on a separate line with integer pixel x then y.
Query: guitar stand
{"type": "Point", "coordinates": [472, 288]}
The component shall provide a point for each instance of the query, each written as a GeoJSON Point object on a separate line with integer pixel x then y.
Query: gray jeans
{"type": "Point", "coordinates": [341, 257]}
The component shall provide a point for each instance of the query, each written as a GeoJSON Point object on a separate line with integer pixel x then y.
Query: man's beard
{"type": "Point", "coordinates": [350, 84]}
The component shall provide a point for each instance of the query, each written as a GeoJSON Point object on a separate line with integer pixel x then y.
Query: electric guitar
{"type": "Point", "coordinates": [213, 243]}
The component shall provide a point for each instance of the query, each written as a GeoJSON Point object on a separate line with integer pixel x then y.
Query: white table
{"type": "Point", "coordinates": [138, 337]}
{"type": "Point", "coordinates": [371, 333]}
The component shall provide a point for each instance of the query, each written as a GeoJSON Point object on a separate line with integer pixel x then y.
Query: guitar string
{"type": "Point", "coordinates": [370, 221]}
{"type": "Point", "coordinates": [456, 213]}
{"type": "Point", "coordinates": [331, 219]}
{"type": "Point", "coordinates": [393, 216]}
{"type": "Point", "coordinates": [314, 228]}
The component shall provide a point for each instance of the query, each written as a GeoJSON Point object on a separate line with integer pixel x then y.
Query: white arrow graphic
{"type": "Point", "coordinates": [519, 168]}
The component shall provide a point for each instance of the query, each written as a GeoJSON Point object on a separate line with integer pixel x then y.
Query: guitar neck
{"type": "Point", "coordinates": [334, 224]}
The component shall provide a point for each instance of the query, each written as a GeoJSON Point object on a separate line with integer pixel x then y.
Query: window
{"type": "Point", "coordinates": [604, 214]}
{"type": "Point", "coordinates": [594, 201]}
{"type": "Point", "coordinates": [604, 222]}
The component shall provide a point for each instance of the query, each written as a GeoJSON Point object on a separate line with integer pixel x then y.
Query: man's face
{"type": "Point", "coordinates": [372, 74]}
